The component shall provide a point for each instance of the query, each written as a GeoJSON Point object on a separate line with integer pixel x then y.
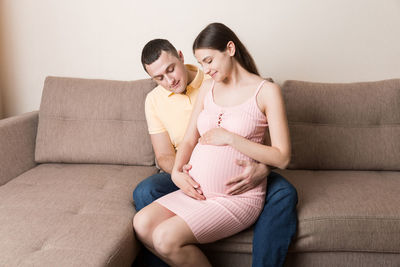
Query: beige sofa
{"type": "Point", "coordinates": [68, 171]}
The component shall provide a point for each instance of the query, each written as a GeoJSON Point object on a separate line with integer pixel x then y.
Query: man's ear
{"type": "Point", "coordinates": [231, 48]}
{"type": "Point", "coordinates": [180, 54]}
{"type": "Point", "coordinates": [145, 68]}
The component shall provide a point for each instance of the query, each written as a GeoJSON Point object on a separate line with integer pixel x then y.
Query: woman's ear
{"type": "Point", "coordinates": [231, 48]}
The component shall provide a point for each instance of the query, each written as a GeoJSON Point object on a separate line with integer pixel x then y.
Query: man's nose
{"type": "Point", "coordinates": [170, 80]}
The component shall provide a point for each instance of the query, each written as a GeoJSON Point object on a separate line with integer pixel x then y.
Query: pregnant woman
{"type": "Point", "coordinates": [228, 122]}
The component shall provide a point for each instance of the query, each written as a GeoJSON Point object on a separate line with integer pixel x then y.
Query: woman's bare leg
{"type": "Point", "coordinates": [147, 219]}
{"type": "Point", "coordinates": [175, 243]}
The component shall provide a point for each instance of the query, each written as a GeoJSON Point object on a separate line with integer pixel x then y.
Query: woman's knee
{"type": "Point", "coordinates": [142, 224]}
{"type": "Point", "coordinates": [164, 242]}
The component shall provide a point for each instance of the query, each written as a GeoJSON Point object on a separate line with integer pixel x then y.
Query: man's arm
{"type": "Point", "coordinates": [164, 150]}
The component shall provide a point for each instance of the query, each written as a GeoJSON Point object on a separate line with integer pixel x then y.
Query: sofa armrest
{"type": "Point", "coordinates": [17, 145]}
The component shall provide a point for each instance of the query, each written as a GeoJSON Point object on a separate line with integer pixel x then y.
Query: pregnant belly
{"type": "Point", "coordinates": [213, 166]}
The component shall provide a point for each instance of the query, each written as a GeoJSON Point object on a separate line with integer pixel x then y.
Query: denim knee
{"type": "Point", "coordinates": [279, 188]}
{"type": "Point", "coordinates": [152, 188]}
{"type": "Point", "coordinates": [139, 196]}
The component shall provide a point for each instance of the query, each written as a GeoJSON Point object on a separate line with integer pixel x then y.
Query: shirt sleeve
{"type": "Point", "coordinates": [154, 123]}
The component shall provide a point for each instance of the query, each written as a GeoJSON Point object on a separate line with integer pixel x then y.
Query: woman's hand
{"type": "Point", "coordinates": [253, 174]}
{"type": "Point", "coordinates": [216, 137]}
{"type": "Point", "coordinates": [186, 183]}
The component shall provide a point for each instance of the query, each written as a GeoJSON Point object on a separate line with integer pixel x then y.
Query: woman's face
{"type": "Point", "coordinates": [215, 63]}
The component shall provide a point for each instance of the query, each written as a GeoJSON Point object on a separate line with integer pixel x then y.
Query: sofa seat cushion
{"type": "Point", "coordinates": [70, 215]}
{"type": "Point", "coordinates": [240, 243]}
{"type": "Point", "coordinates": [347, 210]}
{"type": "Point", "coordinates": [351, 211]}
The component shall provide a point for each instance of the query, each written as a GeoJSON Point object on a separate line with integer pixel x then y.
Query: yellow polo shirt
{"type": "Point", "coordinates": [170, 112]}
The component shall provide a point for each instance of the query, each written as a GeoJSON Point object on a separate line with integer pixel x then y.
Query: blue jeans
{"type": "Point", "coordinates": [273, 230]}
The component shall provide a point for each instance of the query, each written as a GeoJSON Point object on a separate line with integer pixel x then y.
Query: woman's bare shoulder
{"type": "Point", "coordinates": [270, 88]}
{"type": "Point", "coordinates": [269, 96]}
{"type": "Point", "coordinates": [205, 87]}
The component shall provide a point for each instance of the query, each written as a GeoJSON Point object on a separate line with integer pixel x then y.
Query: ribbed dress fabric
{"type": "Point", "coordinates": [221, 215]}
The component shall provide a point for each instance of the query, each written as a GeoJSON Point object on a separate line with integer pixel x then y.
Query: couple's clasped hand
{"type": "Point", "coordinates": [253, 174]}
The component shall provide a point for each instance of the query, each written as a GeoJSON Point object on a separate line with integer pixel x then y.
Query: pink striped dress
{"type": "Point", "coordinates": [221, 215]}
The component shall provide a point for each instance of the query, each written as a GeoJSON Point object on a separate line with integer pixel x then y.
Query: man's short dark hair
{"type": "Point", "coordinates": [152, 51]}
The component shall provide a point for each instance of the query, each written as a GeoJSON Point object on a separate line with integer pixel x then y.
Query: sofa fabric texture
{"type": "Point", "coordinates": [354, 211]}
{"type": "Point", "coordinates": [345, 218]}
{"type": "Point", "coordinates": [345, 258]}
{"type": "Point", "coordinates": [94, 121]}
{"type": "Point", "coordinates": [70, 215]}
{"type": "Point", "coordinates": [17, 145]}
{"type": "Point", "coordinates": [91, 142]}
{"type": "Point", "coordinates": [349, 126]}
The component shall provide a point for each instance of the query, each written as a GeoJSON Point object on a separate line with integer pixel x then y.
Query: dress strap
{"type": "Point", "coordinates": [259, 87]}
{"type": "Point", "coordinates": [212, 87]}
{"type": "Point", "coordinates": [208, 99]}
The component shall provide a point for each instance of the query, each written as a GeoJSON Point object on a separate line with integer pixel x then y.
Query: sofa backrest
{"type": "Point", "coordinates": [94, 121]}
{"type": "Point", "coordinates": [354, 126]}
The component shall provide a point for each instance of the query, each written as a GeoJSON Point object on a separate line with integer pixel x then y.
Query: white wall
{"type": "Point", "coordinates": [328, 41]}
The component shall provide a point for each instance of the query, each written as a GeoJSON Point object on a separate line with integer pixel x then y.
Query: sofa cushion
{"type": "Point", "coordinates": [338, 211]}
{"type": "Point", "coordinates": [93, 121]}
{"type": "Point", "coordinates": [347, 211]}
{"type": "Point", "coordinates": [354, 126]}
{"type": "Point", "coordinates": [70, 215]}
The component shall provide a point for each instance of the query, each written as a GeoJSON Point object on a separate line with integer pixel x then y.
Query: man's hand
{"type": "Point", "coordinates": [186, 183]}
{"type": "Point", "coordinates": [252, 175]}
{"type": "Point", "coordinates": [216, 137]}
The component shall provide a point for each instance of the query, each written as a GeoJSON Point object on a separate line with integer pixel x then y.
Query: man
{"type": "Point", "coordinates": [168, 109]}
